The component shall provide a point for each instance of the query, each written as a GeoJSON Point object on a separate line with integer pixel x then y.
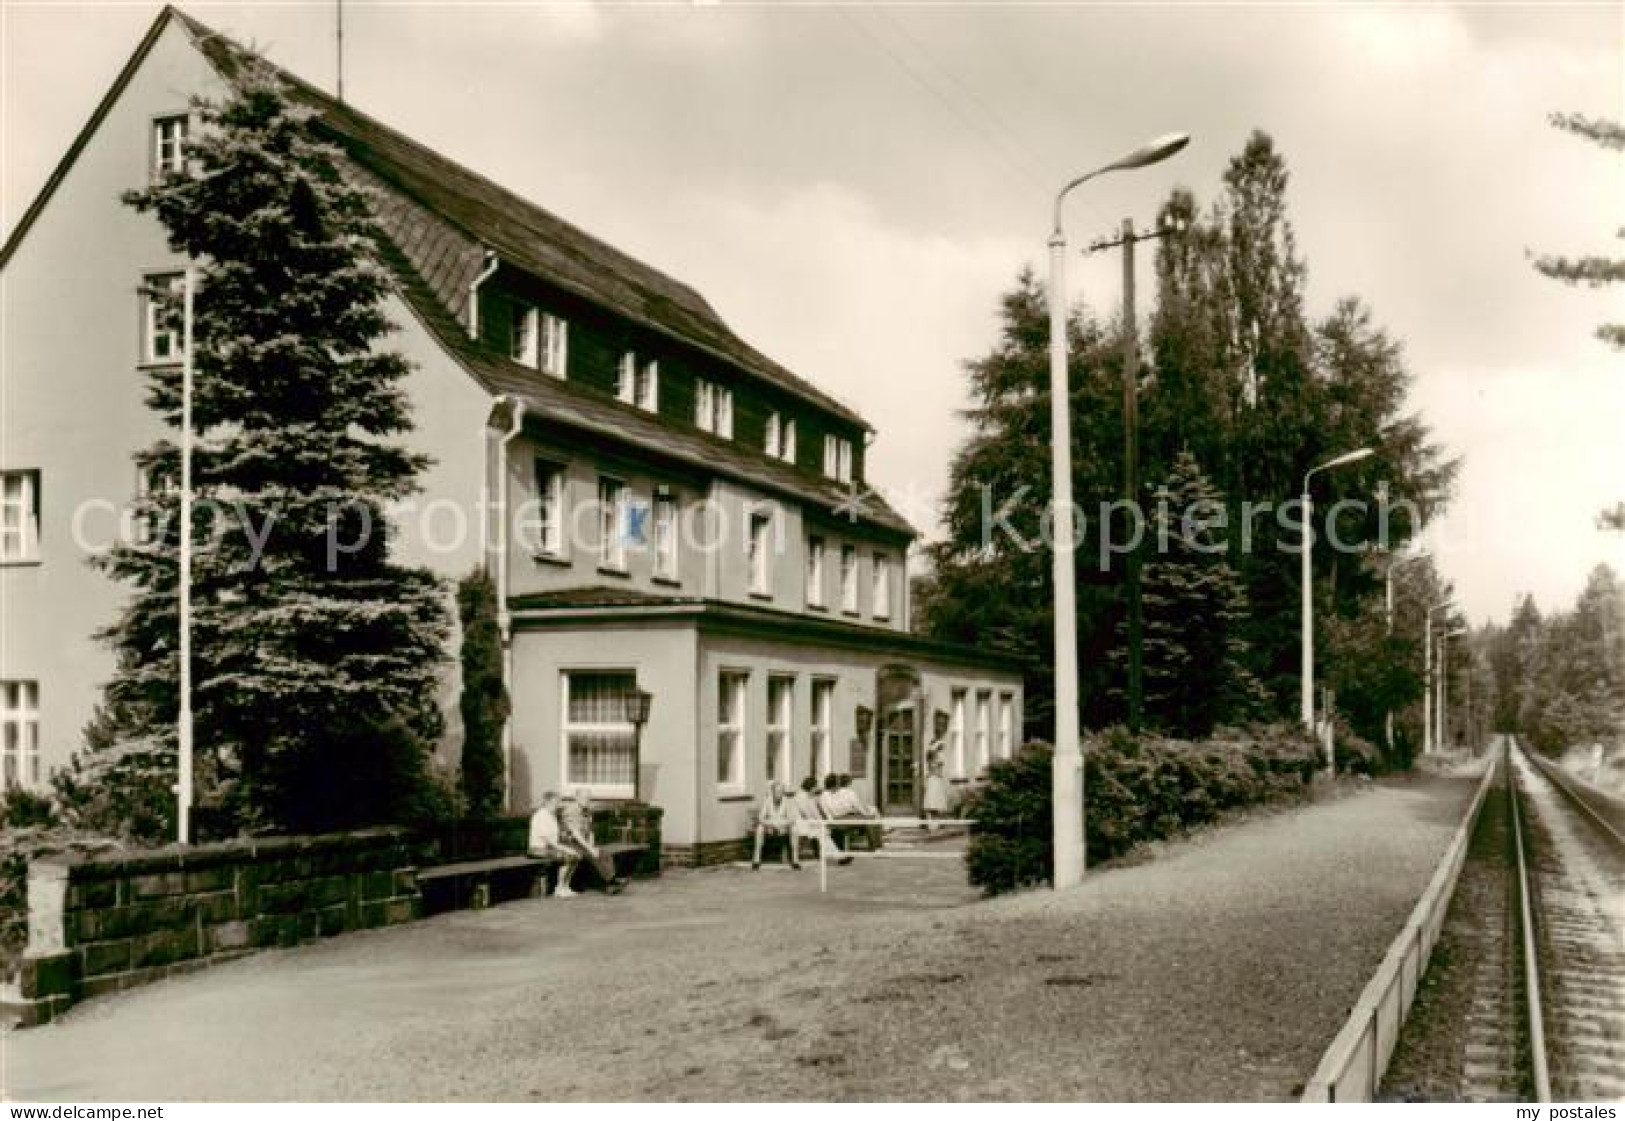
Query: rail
{"type": "Point", "coordinates": [1531, 962]}
{"type": "Point", "coordinates": [1352, 1067]}
{"type": "Point", "coordinates": [1571, 787]}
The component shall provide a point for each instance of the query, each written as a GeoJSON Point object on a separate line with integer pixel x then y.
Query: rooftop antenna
{"type": "Point", "coordinates": [339, 39]}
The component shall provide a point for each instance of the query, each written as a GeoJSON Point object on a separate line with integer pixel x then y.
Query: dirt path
{"type": "Point", "coordinates": [1220, 969]}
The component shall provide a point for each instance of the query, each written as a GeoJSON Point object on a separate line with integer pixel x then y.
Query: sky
{"type": "Point", "coordinates": [853, 186]}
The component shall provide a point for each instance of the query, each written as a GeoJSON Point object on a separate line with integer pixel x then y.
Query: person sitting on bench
{"type": "Point", "coordinates": [779, 816]}
{"type": "Point", "coordinates": [546, 843]}
{"type": "Point", "coordinates": [812, 822]}
{"type": "Point", "coordinates": [840, 803]}
{"type": "Point", "coordinates": [575, 828]}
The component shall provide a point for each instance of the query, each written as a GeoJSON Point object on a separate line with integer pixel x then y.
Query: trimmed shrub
{"type": "Point", "coordinates": [484, 702]}
{"type": "Point", "coordinates": [1135, 790]}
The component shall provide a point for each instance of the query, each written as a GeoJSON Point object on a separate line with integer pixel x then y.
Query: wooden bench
{"type": "Point", "coordinates": [479, 874]}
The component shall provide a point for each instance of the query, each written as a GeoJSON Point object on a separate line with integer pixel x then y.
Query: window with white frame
{"type": "Point", "coordinates": [880, 605]}
{"type": "Point", "coordinates": [600, 741]}
{"type": "Point", "coordinates": [19, 734]}
{"type": "Point", "coordinates": [823, 728]}
{"type": "Point", "coordinates": [781, 437]}
{"type": "Point", "coordinates": [522, 333]}
{"type": "Point", "coordinates": [815, 571]}
{"type": "Point", "coordinates": [555, 346]}
{"type": "Point", "coordinates": [1007, 725]}
{"type": "Point", "coordinates": [665, 536]}
{"type": "Point", "coordinates": [984, 718]}
{"type": "Point", "coordinates": [781, 694]}
{"type": "Point", "coordinates": [550, 516]}
{"type": "Point", "coordinates": [956, 732]}
{"type": "Point", "coordinates": [169, 145]}
{"type": "Point", "coordinates": [731, 691]}
{"type": "Point", "coordinates": [161, 296]}
{"type": "Point", "coordinates": [639, 382]}
{"type": "Point", "coordinates": [759, 552]}
{"type": "Point", "coordinates": [19, 516]}
{"type": "Point", "coordinates": [714, 408]}
{"type": "Point", "coordinates": [838, 458]}
{"type": "Point", "coordinates": [611, 524]}
{"type": "Point", "coordinates": [849, 579]}
{"type": "Point", "coordinates": [151, 483]}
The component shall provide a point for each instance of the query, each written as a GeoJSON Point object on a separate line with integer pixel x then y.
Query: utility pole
{"type": "Point", "coordinates": [339, 47]}
{"type": "Point", "coordinates": [1128, 238]}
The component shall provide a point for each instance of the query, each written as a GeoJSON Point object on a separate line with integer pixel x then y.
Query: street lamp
{"type": "Point", "coordinates": [1307, 675]}
{"type": "Point", "coordinates": [1427, 676]}
{"type": "Point", "coordinates": [1067, 779]}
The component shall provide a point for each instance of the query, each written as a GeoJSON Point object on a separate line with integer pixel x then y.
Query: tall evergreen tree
{"type": "Point", "coordinates": [316, 658]}
{"type": "Point", "coordinates": [1195, 660]}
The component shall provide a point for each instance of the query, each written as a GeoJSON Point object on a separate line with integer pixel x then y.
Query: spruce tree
{"type": "Point", "coordinates": [1195, 658]}
{"type": "Point", "coordinates": [315, 658]}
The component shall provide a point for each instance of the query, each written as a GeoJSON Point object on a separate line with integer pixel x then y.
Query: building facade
{"type": "Point", "coordinates": [672, 519]}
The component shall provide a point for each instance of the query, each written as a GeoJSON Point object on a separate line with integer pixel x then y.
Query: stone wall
{"type": "Point", "coordinates": [97, 924]}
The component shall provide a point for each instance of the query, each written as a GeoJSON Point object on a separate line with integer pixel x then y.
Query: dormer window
{"type": "Point", "coordinates": [838, 458]}
{"type": "Point", "coordinates": [714, 408]}
{"type": "Point", "coordinates": [555, 346]}
{"type": "Point", "coordinates": [781, 437]}
{"type": "Point", "coordinates": [169, 145]}
{"type": "Point", "coordinates": [639, 382]}
{"type": "Point", "coordinates": [522, 328]}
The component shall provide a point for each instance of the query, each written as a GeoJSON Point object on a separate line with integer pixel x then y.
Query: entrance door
{"type": "Point", "coordinates": [901, 767]}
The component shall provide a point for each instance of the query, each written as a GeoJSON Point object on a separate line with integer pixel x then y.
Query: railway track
{"type": "Point", "coordinates": [1569, 884]}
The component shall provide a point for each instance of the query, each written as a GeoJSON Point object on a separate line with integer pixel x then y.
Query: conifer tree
{"type": "Point", "coordinates": [484, 701]}
{"type": "Point", "coordinates": [315, 658]}
{"type": "Point", "coordinates": [1195, 659]}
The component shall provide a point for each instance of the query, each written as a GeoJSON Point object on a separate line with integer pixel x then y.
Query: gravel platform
{"type": "Point", "coordinates": [1219, 969]}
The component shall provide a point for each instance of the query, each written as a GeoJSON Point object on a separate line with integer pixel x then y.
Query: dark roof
{"type": "Point", "coordinates": [606, 604]}
{"type": "Point", "coordinates": [521, 232]}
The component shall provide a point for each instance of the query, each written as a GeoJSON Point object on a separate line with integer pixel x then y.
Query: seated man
{"type": "Point", "coordinates": [575, 828]}
{"type": "Point", "coordinates": [780, 817]}
{"type": "Point", "coordinates": [853, 807]}
{"type": "Point", "coordinates": [545, 842]}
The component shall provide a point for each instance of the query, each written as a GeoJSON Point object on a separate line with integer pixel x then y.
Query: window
{"type": "Point", "coordinates": [880, 605]}
{"type": "Point", "coordinates": [849, 579]}
{"type": "Point", "coordinates": [1007, 721]}
{"type": "Point", "coordinates": [522, 334]}
{"type": "Point", "coordinates": [549, 539]}
{"type": "Point", "coordinates": [169, 146]}
{"type": "Point", "coordinates": [19, 516]}
{"type": "Point", "coordinates": [611, 524]}
{"type": "Point", "coordinates": [815, 572]}
{"type": "Point", "coordinates": [984, 717]}
{"type": "Point", "coordinates": [781, 693]}
{"type": "Point", "coordinates": [731, 729]}
{"type": "Point", "coordinates": [781, 437]}
{"type": "Point", "coordinates": [161, 296]}
{"type": "Point", "coordinates": [600, 742]}
{"type": "Point", "coordinates": [555, 346]}
{"type": "Point", "coordinates": [956, 732]}
{"type": "Point", "coordinates": [714, 408]}
{"type": "Point", "coordinates": [823, 728]}
{"type": "Point", "coordinates": [838, 458]}
{"type": "Point", "coordinates": [639, 382]}
{"type": "Point", "coordinates": [19, 734]}
{"type": "Point", "coordinates": [759, 551]}
{"type": "Point", "coordinates": [665, 533]}
{"type": "Point", "coordinates": [147, 515]}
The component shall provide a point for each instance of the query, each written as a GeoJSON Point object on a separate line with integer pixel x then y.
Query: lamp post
{"type": "Point", "coordinates": [1427, 676]}
{"type": "Point", "coordinates": [637, 711]}
{"type": "Point", "coordinates": [1067, 778]}
{"type": "Point", "coordinates": [1306, 680]}
{"type": "Point", "coordinates": [1388, 599]}
{"type": "Point", "coordinates": [184, 793]}
{"type": "Point", "coordinates": [1444, 685]}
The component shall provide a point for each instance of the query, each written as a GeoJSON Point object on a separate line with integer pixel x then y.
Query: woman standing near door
{"type": "Point", "coordinates": [936, 782]}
